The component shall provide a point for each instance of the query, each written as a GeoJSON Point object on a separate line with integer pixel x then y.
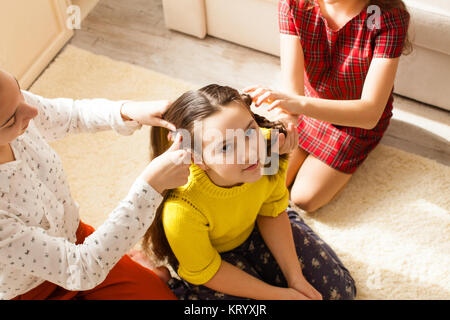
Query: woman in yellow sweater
{"type": "Point", "coordinates": [229, 232]}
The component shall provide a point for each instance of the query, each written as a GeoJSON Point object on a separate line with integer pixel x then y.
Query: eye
{"type": "Point", "coordinates": [227, 147]}
{"type": "Point", "coordinates": [12, 125]}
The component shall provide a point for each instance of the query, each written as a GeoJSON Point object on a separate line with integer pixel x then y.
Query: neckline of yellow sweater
{"type": "Point", "coordinates": [200, 181]}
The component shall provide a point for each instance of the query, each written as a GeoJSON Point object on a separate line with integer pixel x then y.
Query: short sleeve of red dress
{"type": "Point", "coordinates": [392, 34]}
{"type": "Point", "coordinates": [285, 19]}
{"type": "Point", "coordinates": [336, 65]}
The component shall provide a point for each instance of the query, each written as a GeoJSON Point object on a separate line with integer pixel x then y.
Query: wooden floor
{"type": "Point", "coordinates": [134, 31]}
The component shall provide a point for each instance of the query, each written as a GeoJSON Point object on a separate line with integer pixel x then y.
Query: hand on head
{"type": "Point", "coordinates": [275, 99]}
{"type": "Point", "coordinates": [148, 113]}
{"type": "Point", "coordinates": [170, 169]}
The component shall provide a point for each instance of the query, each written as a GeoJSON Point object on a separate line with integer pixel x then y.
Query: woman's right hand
{"type": "Point", "coordinates": [170, 169]}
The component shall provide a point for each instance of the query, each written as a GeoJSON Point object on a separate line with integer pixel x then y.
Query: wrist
{"type": "Point", "coordinates": [294, 279]}
{"type": "Point", "coordinates": [294, 273]}
{"type": "Point", "coordinates": [302, 103]}
{"type": "Point", "coordinates": [157, 187]}
{"type": "Point", "coordinates": [123, 113]}
{"type": "Point", "coordinates": [154, 183]}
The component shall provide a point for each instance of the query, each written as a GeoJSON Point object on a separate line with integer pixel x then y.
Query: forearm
{"type": "Point", "coordinates": [364, 112]}
{"type": "Point", "coordinates": [101, 114]}
{"type": "Point", "coordinates": [83, 266]}
{"type": "Point", "coordinates": [351, 113]}
{"type": "Point", "coordinates": [60, 117]}
{"type": "Point", "coordinates": [277, 234]}
{"type": "Point", "coordinates": [233, 281]}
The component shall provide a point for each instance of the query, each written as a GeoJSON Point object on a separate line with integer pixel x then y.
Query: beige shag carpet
{"type": "Point", "coordinates": [390, 226]}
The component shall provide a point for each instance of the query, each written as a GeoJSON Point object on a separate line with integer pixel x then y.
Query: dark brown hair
{"type": "Point", "coordinates": [192, 106]}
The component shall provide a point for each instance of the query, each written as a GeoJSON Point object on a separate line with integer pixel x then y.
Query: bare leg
{"type": "Point", "coordinates": [316, 184]}
{"type": "Point", "coordinates": [296, 158]}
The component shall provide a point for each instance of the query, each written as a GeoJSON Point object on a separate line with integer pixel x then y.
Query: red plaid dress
{"type": "Point", "coordinates": [336, 65]}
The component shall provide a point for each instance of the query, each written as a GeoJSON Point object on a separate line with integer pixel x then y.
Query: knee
{"type": "Point", "coordinates": [306, 202]}
{"type": "Point", "coordinates": [348, 288]}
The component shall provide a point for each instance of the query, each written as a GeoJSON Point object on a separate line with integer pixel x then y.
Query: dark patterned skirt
{"type": "Point", "coordinates": [320, 266]}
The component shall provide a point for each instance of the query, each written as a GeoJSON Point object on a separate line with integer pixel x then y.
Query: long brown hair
{"type": "Point", "coordinates": [386, 5]}
{"type": "Point", "coordinates": [192, 106]}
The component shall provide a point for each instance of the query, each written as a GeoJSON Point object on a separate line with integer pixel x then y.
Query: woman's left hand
{"type": "Point", "coordinates": [288, 103]}
{"type": "Point", "coordinates": [147, 113]}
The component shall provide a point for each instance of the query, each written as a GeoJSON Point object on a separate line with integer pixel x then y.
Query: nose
{"type": "Point", "coordinates": [251, 151]}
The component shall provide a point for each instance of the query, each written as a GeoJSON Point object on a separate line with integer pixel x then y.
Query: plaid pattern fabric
{"type": "Point", "coordinates": [336, 65]}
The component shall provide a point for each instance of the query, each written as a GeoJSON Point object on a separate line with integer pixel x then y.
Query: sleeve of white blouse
{"type": "Point", "coordinates": [62, 116]}
{"type": "Point", "coordinates": [84, 266]}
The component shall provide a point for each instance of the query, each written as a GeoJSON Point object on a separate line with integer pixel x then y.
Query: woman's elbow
{"type": "Point", "coordinates": [368, 125]}
{"type": "Point", "coordinates": [82, 281]}
{"type": "Point", "coordinates": [372, 122]}
{"type": "Point", "coordinates": [370, 119]}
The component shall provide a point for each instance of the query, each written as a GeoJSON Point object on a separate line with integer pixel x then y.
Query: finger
{"type": "Point", "coordinates": [281, 142]}
{"type": "Point", "coordinates": [250, 88]}
{"type": "Point", "coordinates": [318, 294]}
{"type": "Point", "coordinates": [305, 297]}
{"type": "Point", "coordinates": [313, 293]}
{"type": "Point", "coordinates": [176, 143]}
{"type": "Point", "coordinates": [263, 97]}
{"type": "Point", "coordinates": [177, 156]}
{"type": "Point", "coordinates": [295, 137]}
{"type": "Point", "coordinates": [292, 135]}
{"type": "Point", "coordinates": [165, 124]}
{"type": "Point", "coordinates": [273, 105]}
{"type": "Point", "coordinates": [186, 158]}
{"type": "Point", "coordinates": [255, 94]}
{"type": "Point", "coordinates": [302, 295]}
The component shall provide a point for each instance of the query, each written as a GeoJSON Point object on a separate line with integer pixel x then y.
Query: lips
{"type": "Point", "coordinates": [252, 167]}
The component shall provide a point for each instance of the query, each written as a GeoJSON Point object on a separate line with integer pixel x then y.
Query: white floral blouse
{"type": "Point", "coordinates": [39, 218]}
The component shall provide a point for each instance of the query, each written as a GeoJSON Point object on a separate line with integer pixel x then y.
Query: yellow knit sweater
{"type": "Point", "coordinates": [201, 219]}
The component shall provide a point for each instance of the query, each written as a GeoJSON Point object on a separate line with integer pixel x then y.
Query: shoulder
{"type": "Point", "coordinates": [297, 4]}
{"type": "Point", "coordinates": [296, 8]}
{"type": "Point", "coordinates": [295, 15]}
{"type": "Point", "coordinates": [394, 18]}
{"type": "Point", "coordinates": [179, 209]}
